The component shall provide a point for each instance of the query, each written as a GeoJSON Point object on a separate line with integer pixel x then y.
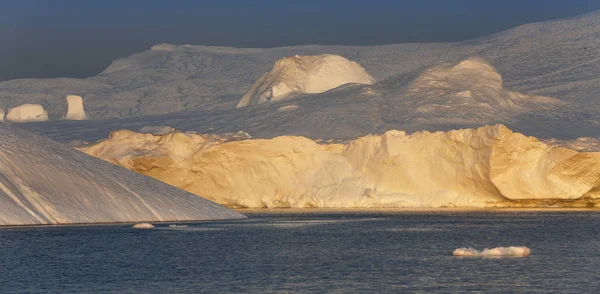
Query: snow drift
{"type": "Point", "coordinates": [514, 251]}
{"type": "Point", "coordinates": [484, 167]}
{"type": "Point", "coordinates": [75, 109]}
{"type": "Point", "coordinates": [45, 182]}
{"type": "Point", "coordinates": [27, 113]}
{"type": "Point", "coordinates": [304, 74]}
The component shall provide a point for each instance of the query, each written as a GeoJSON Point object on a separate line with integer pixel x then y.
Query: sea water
{"type": "Point", "coordinates": [341, 252]}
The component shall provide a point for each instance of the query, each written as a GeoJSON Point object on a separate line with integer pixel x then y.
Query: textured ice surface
{"type": "Point", "coordinates": [515, 251]}
{"type": "Point", "coordinates": [462, 168]}
{"type": "Point", "coordinates": [45, 182]}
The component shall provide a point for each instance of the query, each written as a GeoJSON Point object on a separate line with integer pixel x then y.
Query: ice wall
{"type": "Point", "coordinates": [27, 113]}
{"type": "Point", "coordinates": [75, 109]}
{"type": "Point", "coordinates": [44, 182]}
{"type": "Point", "coordinates": [304, 74]}
{"type": "Point", "coordinates": [462, 168]}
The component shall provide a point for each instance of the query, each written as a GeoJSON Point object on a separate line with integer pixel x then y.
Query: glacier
{"type": "Point", "coordinates": [45, 182]}
{"type": "Point", "coordinates": [544, 59]}
{"type": "Point", "coordinates": [490, 166]}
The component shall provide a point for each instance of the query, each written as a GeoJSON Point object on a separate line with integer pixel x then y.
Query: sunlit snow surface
{"type": "Point", "coordinates": [45, 182]}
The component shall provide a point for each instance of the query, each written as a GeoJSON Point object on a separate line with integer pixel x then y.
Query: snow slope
{"type": "Point", "coordinates": [304, 74]}
{"type": "Point", "coordinates": [484, 167]}
{"type": "Point", "coordinates": [45, 182]}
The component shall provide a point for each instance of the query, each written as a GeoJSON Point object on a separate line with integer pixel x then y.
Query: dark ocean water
{"type": "Point", "coordinates": [321, 252]}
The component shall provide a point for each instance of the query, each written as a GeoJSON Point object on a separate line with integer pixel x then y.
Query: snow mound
{"type": "Point", "coordinates": [304, 74]}
{"type": "Point", "coordinates": [483, 167]}
{"type": "Point", "coordinates": [75, 108]}
{"type": "Point", "coordinates": [515, 251]}
{"type": "Point", "coordinates": [143, 226]}
{"type": "Point", "coordinates": [27, 113]}
{"type": "Point", "coordinates": [45, 182]}
{"type": "Point", "coordinates": [469, 90]}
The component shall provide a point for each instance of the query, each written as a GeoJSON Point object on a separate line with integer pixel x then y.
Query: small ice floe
{"type": "Point", "coordinates": [515, 251]}
{"type": "Point", "coordinates": [178, 226]}
{"type": "Point", "coordinates": [143, 226]}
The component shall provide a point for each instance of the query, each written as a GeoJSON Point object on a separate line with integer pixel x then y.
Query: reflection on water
{"type": "Point", "coordinates": [318, 252]}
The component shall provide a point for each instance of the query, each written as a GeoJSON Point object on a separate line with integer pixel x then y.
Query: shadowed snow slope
{"type": "Point", "coordinates": [304, 74]}
{"type": "Point", "coordinates": [480, 167]}
{"type": "Point", "coordinates": [44, 182]}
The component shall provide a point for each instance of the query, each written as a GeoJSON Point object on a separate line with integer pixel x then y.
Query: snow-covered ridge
{"type": "Point", "coordinates": [44, 182]}
{"type": "Point", "coordinates": [484, 167]}
{"type": "Point", "coordinates": [304, 74]}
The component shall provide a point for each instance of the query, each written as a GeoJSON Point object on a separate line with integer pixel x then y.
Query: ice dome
{"type": "Point", "coordinates": [305, 74]}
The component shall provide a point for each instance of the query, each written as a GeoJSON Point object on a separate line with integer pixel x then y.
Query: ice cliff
{"type": "Point", "coordinates": [45, 182]}
{"type": "Point", "coordinates": [304, 74]}
{"type": "Point", "coordinates": [484, 167]}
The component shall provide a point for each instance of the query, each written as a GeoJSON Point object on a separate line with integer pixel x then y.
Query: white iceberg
{"type": "Point", "coordinates": [75, 109]}
{"type": "Point", "coordinates": [143, 226]}
{"type": "Point", "coordinates": [27, 113]}
{"type": "Point", "coordinates": [512, 251]}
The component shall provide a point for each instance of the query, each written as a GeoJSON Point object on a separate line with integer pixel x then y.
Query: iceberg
{"type": "Point", "coordinates": [490, 166]}
{"type": "Point", "coordinates": [512, 251]}
{"type": "Point", "coordinates": [45, 182]}
{"type": "Point", "coordinates": [75, 109]}
{"type": "Point", "coordinates": [304, 74]}
{"type": "Point", "coordinates": [27, 113]}
{"type": "Point", "coordinates": [143, 226]}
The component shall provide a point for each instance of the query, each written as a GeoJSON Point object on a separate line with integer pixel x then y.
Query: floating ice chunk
{"type": "Point", "coordinates": [494, 252]}
{"type": "Point", "coordinates": [75, 108]}
{"type": "Point", "coordinates": [27, 113]}
{"type": "Point", "coordinates": [143, 226]}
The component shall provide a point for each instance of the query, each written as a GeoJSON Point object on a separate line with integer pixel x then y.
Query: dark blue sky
{"type": "Point", "coordinates": [72, 38]}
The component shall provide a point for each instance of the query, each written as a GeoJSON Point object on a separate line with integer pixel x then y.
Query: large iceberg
{"type": "Point", "coordinates": [490, 166]}
{"type": "Point", "coordinates": [304, 74]}
{"type": "Point", "coordinates": [45, 182]}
